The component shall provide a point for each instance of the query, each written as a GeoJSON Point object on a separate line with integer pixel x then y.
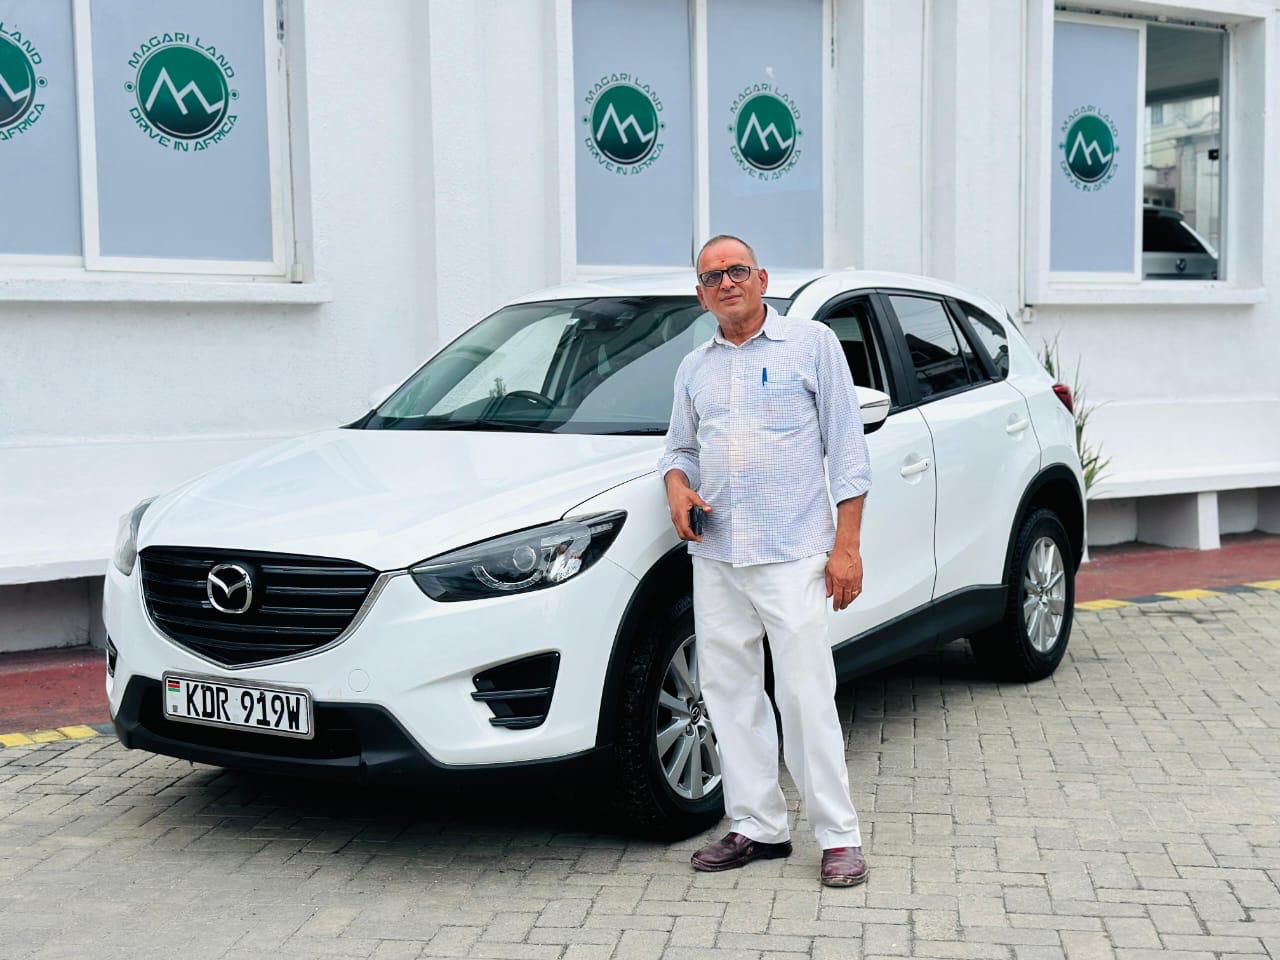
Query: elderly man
{"type": "Point", "coordinates": [756, 408]}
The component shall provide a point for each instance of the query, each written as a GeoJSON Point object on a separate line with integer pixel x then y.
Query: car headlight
{"type": "Point", "coordinates": [125, 554]}
{"type": "Point", "coordinates": [519, 562]}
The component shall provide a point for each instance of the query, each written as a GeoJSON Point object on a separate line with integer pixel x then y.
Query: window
{"type": "Point", "coordinates": [696, 119]}
{"type": "Point", "coordinates": [940, 355]}
{"type": "Point", "coordinates": [991, 337]}
{"type": "Point", "coordinates": [150, 138]}
{"type": "Point", "coordinates": [1137, 113]}
{"type": "Point", "coordinates": [852, 324]}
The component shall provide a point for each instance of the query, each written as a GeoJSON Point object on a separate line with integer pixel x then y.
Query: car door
{"type": "Point", "coordinates": [897, 518]}
{"type": "Point", "coordinates": [985, 452]}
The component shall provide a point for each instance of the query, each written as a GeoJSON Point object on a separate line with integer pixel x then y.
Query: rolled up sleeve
{"type": "Point", "coordinates": [840, 421]}
{"type": "Point", "coordinates": [681, 451]}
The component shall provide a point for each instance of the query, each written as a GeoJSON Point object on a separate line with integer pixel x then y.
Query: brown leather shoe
{"type": "Point", "coordinates": [843, 867]}
{"type": "Point", "coordinates": [735, 850]}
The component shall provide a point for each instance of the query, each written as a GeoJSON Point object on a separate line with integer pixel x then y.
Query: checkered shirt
{"type": "Point", "coordinates": [750, 425]}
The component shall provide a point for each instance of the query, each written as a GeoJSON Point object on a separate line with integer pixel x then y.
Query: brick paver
{"type": "Point", "coordinates": [1128, 807]}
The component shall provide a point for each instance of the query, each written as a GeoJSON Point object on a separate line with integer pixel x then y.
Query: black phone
{"type": "Point", "coordinates": [696, 518]}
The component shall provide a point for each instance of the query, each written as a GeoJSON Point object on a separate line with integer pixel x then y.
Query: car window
{"type": "Point", "coordinates": [850, 320]}
{"type": "Point", "coordinates": [941, 358]}
{"type": "Point", "coordinates": [991, 337]}
{"type": "Point", "coordinates": [1168, 235]}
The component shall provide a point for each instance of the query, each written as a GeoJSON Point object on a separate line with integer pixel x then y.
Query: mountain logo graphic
{"type": "Point", "coordinates": [765, 132]}
{"type": "Point", "coordinates": [1088, 148]}
{"type": "Point", "coordinates": [624, 123]}
{"type": "Point", "coordinates": [182, 91]}
{"type": "Point", "coordinates": [18, 81]}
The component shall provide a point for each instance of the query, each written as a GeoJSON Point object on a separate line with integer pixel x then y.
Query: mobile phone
{"type": "Point", "coordinates": [696, 517]}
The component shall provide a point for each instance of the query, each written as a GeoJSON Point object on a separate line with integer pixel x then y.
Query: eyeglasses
{"type": "Point", "coordinates": [738, 273]}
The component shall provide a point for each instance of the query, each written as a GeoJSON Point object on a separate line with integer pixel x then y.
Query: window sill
{"type": "Point", "coordinates": [108, 289]}
{"type": "Point", "coordinates": [1173, 293]}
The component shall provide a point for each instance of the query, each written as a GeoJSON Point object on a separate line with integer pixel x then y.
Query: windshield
{"type": "Point", "coordinates": [604, 365]}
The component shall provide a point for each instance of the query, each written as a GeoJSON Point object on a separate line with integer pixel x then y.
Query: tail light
{"type": "Point", "coordinates": [1064, 394]}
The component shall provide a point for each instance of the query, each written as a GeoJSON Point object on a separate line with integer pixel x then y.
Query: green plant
{"type": "Point", "coordinates": [1090, 458]}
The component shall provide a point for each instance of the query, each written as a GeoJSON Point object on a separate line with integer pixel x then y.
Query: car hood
{"type": "Point", "coordinates": [389, 498]}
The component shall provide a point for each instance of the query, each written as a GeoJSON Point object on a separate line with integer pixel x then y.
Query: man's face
{"type": "Point", "coordinates": [732, 302]}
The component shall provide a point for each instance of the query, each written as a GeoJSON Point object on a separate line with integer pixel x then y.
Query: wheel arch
{"type": "Point", "coordinates": [1055, 487]}
{"type": "Point", "coordinates": [657, 597]}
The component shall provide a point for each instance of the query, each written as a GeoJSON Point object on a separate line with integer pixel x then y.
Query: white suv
{"type": "Point", "coordinates": [479, 577]}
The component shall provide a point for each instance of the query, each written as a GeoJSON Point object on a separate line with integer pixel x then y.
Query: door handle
{"type": "Point", "coordinates": [920, 466]}
{"type": "Point", "coordinates": [1017, 426]}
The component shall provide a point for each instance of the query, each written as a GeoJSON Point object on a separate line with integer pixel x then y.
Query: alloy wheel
{"type": "Point", "coordinates": [1045, 594]}
{"type": "Point", "coordinates": [686, 740]}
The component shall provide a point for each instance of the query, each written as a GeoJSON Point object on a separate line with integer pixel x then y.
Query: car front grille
{"type": "Point", "coordinates": [298, 603]}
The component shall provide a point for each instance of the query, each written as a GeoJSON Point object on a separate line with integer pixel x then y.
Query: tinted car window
{"type": "Point", "coordinates": [851, 323]}
{"type": "Point", "coordinates": [991, 337]}
{"type": "Point", "coordinates": [941, 357]}
{"type": "Point", "coordinates": [1167, 235]}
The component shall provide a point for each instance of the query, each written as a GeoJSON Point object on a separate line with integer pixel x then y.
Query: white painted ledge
{"type": "Point", "coordinates": [1173, 293]}
{"type": "Point", "coordinates": [106, 289]}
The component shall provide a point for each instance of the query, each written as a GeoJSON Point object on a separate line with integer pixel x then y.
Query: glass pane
{"type": "Point", "coordinates": [606, 365]}
{"type": "Point", "coordinates": [634, 151]}
{"type": "Point", "coordinates": [765, 88]}
{"type": "Point", "coordinates": [935, 352]}
{"type": "Point", "coordinates": [1094, 192]}
{"type": "Point", "coordinates": [183, 167]}
{"type": "Point", "coordinates": [851, 323]}
{"type": "Point", "coordinates": [39, 144]}
{"type": "Point", "coordinates": [991, 336]}
{"type": "Point", "coordinates": [1182, 184]}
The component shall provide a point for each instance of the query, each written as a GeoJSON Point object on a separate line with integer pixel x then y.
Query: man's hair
{"type": "Point", "coordinates": [697, 259]}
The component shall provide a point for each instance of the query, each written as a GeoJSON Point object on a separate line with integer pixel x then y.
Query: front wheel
{"type": "Point", "coordinates": [1029, 641]}
{"type": "Point", "coordinates": [668, 763]}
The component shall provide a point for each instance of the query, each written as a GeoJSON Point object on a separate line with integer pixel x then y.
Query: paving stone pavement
{"type": "Point", "coordinates": [1127, 807]}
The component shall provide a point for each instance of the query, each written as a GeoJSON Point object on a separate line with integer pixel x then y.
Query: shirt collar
{"type": "Point", "coordinates": [775, 328]}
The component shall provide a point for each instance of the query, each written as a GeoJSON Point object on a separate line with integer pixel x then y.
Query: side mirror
{"type": "Point", "coordinates": [874, 405]}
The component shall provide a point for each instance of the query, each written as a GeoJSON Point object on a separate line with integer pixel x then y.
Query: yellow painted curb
{"type": "Point", "coordinates": [1265, 584]}
{"type": "Point", "coordinates": [75, 732]}
{"type": "Point", "coordinates": [1102, 604]}
{"type": "Point", "coordinates": [1195, 594]}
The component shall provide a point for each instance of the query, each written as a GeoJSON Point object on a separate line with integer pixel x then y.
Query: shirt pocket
{"type": "Point", "coordinates": [785, 402]}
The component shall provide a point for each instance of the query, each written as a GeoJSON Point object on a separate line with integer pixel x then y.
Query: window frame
{"type": "Point", "coordinates": [959, 313]}
{"type": "Point", "coordinates": [1246, 92]}
{"type": "Point", "coordinates": [881, 340]}
{"type": "Point", "coordinates": [280, 159]}
{"type": "Point", "coordinates": [907, 366]}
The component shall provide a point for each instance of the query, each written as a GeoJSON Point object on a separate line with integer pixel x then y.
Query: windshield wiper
{"type": "Point", "coordinates": [636, 432]}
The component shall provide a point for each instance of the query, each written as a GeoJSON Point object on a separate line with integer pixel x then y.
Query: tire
{"type": "Point", "coordinates": [645, 799]}
{"type": "Point", "coordinates": [1031, 637]}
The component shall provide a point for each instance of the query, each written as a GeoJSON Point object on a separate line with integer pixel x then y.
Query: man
{"type": "Point", "coordinates": [755, 409]}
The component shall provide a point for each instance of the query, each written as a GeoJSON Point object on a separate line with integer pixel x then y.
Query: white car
{"type": "Point", "coordinates": [480, 577]}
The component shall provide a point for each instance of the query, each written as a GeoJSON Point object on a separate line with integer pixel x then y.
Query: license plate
{"type": "Point", "coordinates": [242, 706]}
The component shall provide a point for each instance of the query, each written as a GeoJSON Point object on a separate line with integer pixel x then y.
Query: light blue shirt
{"type": "Point", "coordinates": [750, 425]}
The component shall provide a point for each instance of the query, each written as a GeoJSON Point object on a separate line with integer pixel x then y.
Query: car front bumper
{"type": "Point", "coordinates": [396, 693]}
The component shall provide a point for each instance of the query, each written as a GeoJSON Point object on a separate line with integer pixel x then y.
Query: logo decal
{"type": "Point", "coordinates": [624, 124]}
{"type": "Point", "coordinates": [229, 588]}
{"type": "Point", "coordinates": [20, 85]}
{"type": "Point", "coordinates": [182, 92]}
{"type": "Point", "coordinates": [1088, 148]}
{"type": "Point", "coordinates": [765, 131]}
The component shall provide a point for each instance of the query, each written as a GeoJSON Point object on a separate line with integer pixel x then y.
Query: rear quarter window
{"type": "Point", "coordinates": [991, 336]}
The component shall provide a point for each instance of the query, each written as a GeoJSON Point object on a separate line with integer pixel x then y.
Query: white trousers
{"type": "Point", "coordinates": [733, 608]}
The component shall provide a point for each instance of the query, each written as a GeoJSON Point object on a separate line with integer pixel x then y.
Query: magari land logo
{"type": "Point", "coordinates": [624, 123]}
{"type": "Point", "coordinates": [20, 85]}
{"type": "Point", "coordinates": [182, 92]}
{"type": "Point", "coordinates": [765, 132]}
{"type": "Point", "coordinates": [1088, 148]}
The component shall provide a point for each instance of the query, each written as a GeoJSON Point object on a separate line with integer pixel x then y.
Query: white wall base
{"type": "Point", "coordinates": [1111, 521]}
{"type": "Point", "coordinates": [60, 613]}
{"type": "Point", "coordinates": [1269, 509]}
{"type": "Point", "coordinates": [1237, 511]}
{"type": "Point", "coordinates": [1182, 520]}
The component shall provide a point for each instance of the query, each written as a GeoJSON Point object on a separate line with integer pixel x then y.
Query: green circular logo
{"type": "Point", "coordinates": [1088, 147]}
{"type": "Point", "coordinates": [765, 131]}
{"type": "Point", "coordinates": [18, 83]}
{"type": "Point", "coordinates": [181, 91]}
{"type": "Point", "coordinates": [624, 124]}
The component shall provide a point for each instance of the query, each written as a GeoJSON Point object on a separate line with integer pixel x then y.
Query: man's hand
{"type": "Point", "coordinates": [681, 497]}
{"type": "Point", "coordinates": [844, 577]}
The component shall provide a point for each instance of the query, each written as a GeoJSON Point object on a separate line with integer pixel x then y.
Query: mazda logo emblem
{"type": "Point", "coordinates": [229, 588]}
